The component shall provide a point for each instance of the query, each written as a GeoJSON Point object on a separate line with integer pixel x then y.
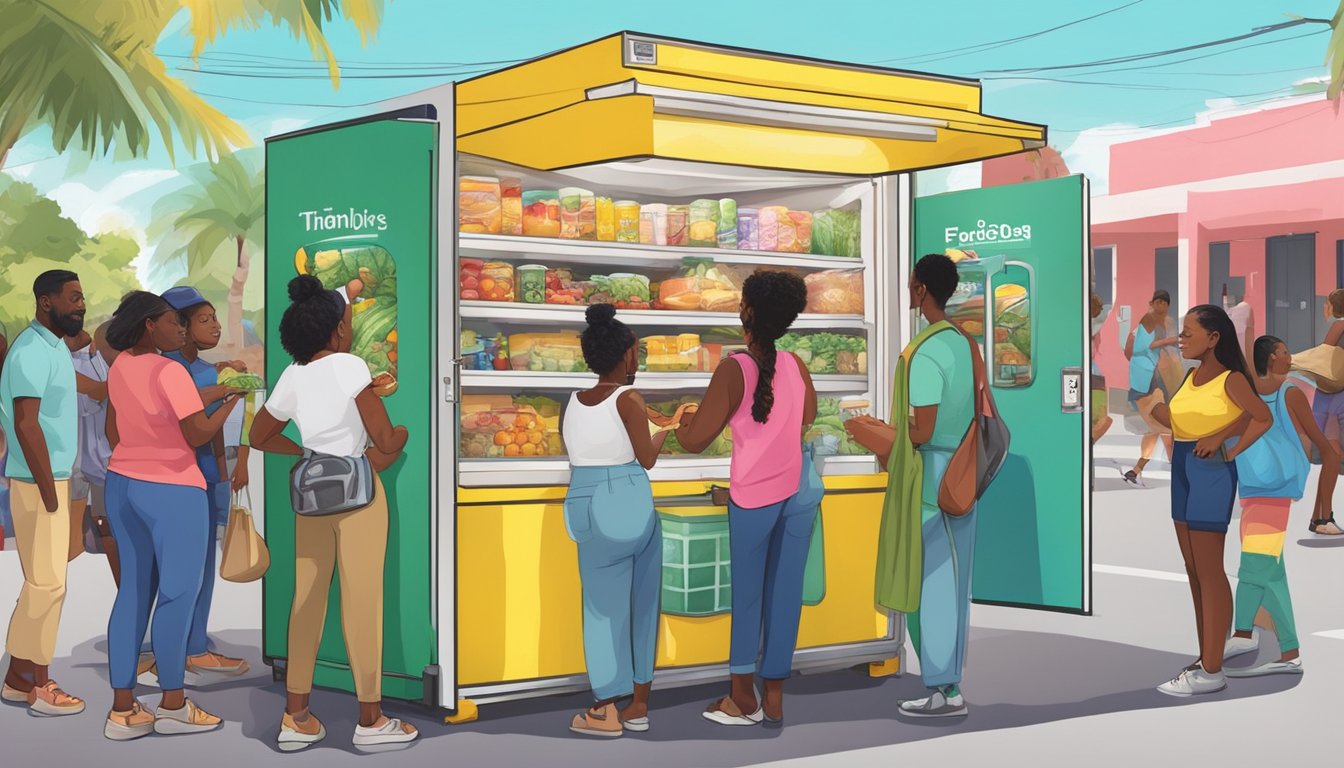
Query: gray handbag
{"type": "Point", "coordinates": [330, 485]}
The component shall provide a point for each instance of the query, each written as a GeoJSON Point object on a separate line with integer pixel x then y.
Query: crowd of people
{"type": "Point", "coordinates": [119, 443]}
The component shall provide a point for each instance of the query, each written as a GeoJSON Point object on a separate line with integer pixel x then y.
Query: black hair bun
{"type": "Point", "coordinates": [600, 314]}
{"type": "Point", "coordinates": [305, 287]}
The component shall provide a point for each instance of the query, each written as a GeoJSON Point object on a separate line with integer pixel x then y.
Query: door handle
{"type": "Point", "coordinates": [1071, 390]}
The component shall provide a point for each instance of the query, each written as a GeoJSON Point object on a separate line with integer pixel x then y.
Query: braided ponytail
{"type": "Point", "coordinates": [771, 302]}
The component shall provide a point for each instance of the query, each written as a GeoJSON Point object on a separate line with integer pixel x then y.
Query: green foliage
{"type": "Point", "coordinates": [1334, 53]}
{"type": "Point", "coordinates": [35, 237]}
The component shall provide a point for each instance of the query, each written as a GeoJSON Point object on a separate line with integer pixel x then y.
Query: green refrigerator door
{"type": "Point", "coordinates": [1033, 538]}
{"type": "Point", "coordinates": [357, 203]}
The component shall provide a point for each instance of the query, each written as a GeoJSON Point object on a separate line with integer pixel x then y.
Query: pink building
{"type": "Point", "coordinates": [1251, 200]}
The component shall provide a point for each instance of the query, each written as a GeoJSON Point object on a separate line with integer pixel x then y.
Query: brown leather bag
{"type": "Point", "coordinates": [975, 462]}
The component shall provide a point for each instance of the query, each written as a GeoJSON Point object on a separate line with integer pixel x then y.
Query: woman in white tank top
{"type": "Point", "coordinates": [610, 516]}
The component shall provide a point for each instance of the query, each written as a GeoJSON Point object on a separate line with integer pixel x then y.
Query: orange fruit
{"type": "Point", "coordinates": [534, 437]}
{"type": "Point", "coordinates": [511, 450]}
{"type": "Point", "coordinates": [529, 450]}
{"type": "Point", "coordinates": [520, 438]}
{"type": "Point", "coordinates": [487, 286]}
{"type": "Point", "coordinates": [503, 438]}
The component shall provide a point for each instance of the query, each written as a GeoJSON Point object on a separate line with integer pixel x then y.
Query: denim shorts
{"type": "Point", "coordinates": [1202, 490]}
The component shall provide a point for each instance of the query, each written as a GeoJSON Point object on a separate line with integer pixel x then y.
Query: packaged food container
{"type": "Point", "coordinates": [853, 407]}
{"type": "Point", "coordinates": [748, 231]}
{"type": "Point", "coordinates": [680, 294]}
{"type": "Point", "coordinates": [578, 214]}
{"type": "Point", "coordinates": [802, 232]}
{"type": "Point", "coordinates": [469, 279]}
{"type": "Point", "coordinates": [511, 204]}
{"type": "Point", "coordinates": [673, 353]}
{"type": "Point", "coordinates": [559, 287]}
{"type": "Point", "coordinates": [653, 224]}
{"type": "Point", "coordinates": [835, 292]}
{"type": "Point", "coordinates": [786, 233]}
{"type": "Point", "coordinates": [727, 231]}
{"type": "Point", "coordinates": [586, 289]}
{"type": "Point", "coordinates": [704, 224]}
{"type": "Point", "coordinates": [678, 224]}
{"type": "Point", "coordinates": [541, 213]}
{"type": "Point", "coordinates": [553, 352]}
{"type": "Point", "coordinates": [478, 205]}
{"type": "Point", "coordinates": [497, 281]}
{"type": "Point", "coordinates": [768, 219]}
{"type": "Point", "coordinates": [627, 221]}
{"type": "Point", "coordinates": [836, 233]}
{"type": "Point", "coordinates": [629, 291]}
{"type": "Point", "coordinates": [605, 211]}
{"type": "Point", "coordinates": [532, 284]}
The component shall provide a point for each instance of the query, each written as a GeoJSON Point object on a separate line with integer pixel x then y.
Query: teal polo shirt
{"type": "Point", "coordinates": [39, 365]}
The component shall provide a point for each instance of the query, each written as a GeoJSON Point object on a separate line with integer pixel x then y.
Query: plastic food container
{"type": "Point", "coordinates": [678, 224]}
{"type": "Point", "coordinates": [627, 221]}
{"type": "Point", "coordinates": [578, 214]}
{"type": "Point", "coordinates": [835, 292]}
{"type": "Point", "coordinates": [532, 284]}
{"type": "Point", "coordinates": [704, 224]}
{"type": "Point", "coordinates": [673, 353]}
{"type": "Point", "coordinates": [628, 291]}
{"type": "Point", "coordinates": [653, 224]}
{"type": "Point", "coordinates": [748, 229]}
{"type": "Point", "coordinates": [727, 231]}
{"type": "Point", "coordinates": [541, 213]}
{"type": "Point", "coordinates": [469, 279]}
{"type": "Point", "coordinates": [497, 281]}
{"type": "Point", "coordinates": [478, 205]}
{"type": "Point", "coordinates": [605, 212]}
{"type": "Point", "coordinates": [802, 232]}
{"type": "Point", "coordinates": [768, 222]}
{"type": "Point", "coordinates": [511, 204]}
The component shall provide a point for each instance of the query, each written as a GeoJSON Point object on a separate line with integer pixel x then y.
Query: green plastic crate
{"type": "Point", "coordinates": [697, 566]}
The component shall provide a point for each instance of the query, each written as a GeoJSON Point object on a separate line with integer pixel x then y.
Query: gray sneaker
{"type": "Point", "coordinates": [1293, 667]}
{"type": "Point", "coordinates": [1194, 682]}
{"type": "Point", "coordinates": [936, 704]}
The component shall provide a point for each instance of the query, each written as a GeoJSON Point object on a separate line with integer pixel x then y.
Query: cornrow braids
{"type": "Point", "coordinates": [771, 302]}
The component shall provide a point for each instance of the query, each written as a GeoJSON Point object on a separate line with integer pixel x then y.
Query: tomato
{"type": "Point", "coordinates": [471, 295]}
{"type": "Point", "coordinates": [470, 283]}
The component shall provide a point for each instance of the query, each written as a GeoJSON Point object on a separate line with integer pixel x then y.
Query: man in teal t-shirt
{"type": "Point", "coordinates": [942, 404]}
{"type": "Point", "coordinates": [39, 412]}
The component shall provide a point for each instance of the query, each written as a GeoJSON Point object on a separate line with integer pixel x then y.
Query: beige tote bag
{"type": "Point", "coordinates": [1324, 364]}
{"type": "Point", "coordinates": [246, 557]}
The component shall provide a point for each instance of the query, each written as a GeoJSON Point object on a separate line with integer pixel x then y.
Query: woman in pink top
{"type": "Point", "coordinates": [775, 493]}
{"type": "Point", "coordinates": [156, 505]}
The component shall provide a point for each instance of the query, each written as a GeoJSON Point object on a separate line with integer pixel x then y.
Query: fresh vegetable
{"type": "Point", "coordinates": [828, 353]}
{"type": "Point", "coordinates": [836, 233]}
{"type": "Point", "coordinates": [240, 380]}
{"type": "Point", "coordinates": [827, 434]}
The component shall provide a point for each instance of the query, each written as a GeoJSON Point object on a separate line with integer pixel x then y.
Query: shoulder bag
{"type": "Point", "coordinates": [982, 451]}
{"type": "Point", "coordinates": [330, 485]}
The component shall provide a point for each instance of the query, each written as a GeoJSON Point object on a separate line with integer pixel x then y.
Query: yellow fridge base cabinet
{"type": "Point", "coordinates": [520, 598]}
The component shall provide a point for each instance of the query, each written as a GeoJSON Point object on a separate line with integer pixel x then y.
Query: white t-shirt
{"type": "Point", "coordinates": [320, 399]}
{"type": "Point", "coordinates": [595, 435]}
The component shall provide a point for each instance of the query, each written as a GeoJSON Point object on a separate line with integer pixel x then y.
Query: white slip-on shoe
{"type": "Point", "coordinates": [1194, 682]}
{"type": "Point", "coordinates": [636, 724]}
{"type": "Point", "coordinates": [1293, 667]}
{"type": "Point", "coordinates": [187, 720]}
{"type": "Point", "coordinates": [128, 726]}
{"type": "Point", "coordinates": [936, 704]}
{"type": "Point", "coordinates": [390, 733]}
{"type": "Point", "coordinates": [293, 738]}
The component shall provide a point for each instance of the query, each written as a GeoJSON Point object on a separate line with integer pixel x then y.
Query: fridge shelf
{"type": "Point", "coordinates": [516, 380]}
{"type": "Point", "coordinates": [634, 254]}
{"type": "Point", "coordinates": [574, 315]}
{"type": "Point", "coordinates": [552, 471]}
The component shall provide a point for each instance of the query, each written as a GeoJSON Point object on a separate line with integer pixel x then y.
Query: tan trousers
{"type": "Point", "coordinates": [43, 541]}
{"type": "Point", "coordinates": [355, 545]}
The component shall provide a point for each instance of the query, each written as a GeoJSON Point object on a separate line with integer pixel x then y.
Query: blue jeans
{"type": "Point", "coordinates": [610, 516]}
{"type": "Point", "coordinates": [945, 596]}
{"type": "Point", "coordinates": [769, 548]}
{"type": "Point", "coordinates": [159, 529]}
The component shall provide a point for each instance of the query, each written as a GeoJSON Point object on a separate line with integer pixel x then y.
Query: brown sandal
{"type": "Point", "coordinates": [601, 721]}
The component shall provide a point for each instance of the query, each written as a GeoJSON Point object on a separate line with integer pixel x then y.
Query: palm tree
{"type": "Point", "coordinates": [1334, 54]}
{"type": "Point", "coordinates": [87, 68]}
{"type": "Point", "coordinates": [223, 207]}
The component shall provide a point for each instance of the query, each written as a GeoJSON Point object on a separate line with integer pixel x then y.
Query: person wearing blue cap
{"type": "Point", "coordinates": [203, 331]}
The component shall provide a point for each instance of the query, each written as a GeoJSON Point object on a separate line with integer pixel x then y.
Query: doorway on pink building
{"type": "Point", "coordinates": [1290, 294]}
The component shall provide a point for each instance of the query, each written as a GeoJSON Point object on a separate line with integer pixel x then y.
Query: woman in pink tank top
{"type": "Point", "coordinates": [768, 401]}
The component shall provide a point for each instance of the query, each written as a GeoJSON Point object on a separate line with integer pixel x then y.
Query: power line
{"type": "Point", "coordinates": [924, 58]}
{"type": "Point", "coordinates": [1156, 54]}
{"type": "Point", "coordinates": [1146, 67]}
{"type": "Point", "coordinates": [290, 76]}
{"type": "Point", "coordinates": [224, 55]}
{"type": "Point", "coordinates": [1280, 96]}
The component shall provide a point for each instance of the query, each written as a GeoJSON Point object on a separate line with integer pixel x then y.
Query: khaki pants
{"type": "Point", "coordinates": [43, 541]}
{"type": "Point", "coordinates": [353, 544]}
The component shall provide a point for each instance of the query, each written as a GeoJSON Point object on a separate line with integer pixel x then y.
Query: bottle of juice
{"type": "Point", "coordinates": [627, 221]}
{"type": "Point", "coordinates": [606, 219]}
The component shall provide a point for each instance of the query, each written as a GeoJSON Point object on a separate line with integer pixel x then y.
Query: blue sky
{"type": "Point", "coordinates": [272, 85]}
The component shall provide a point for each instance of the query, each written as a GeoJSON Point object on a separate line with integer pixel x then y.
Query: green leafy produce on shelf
{"type": "Point", "coordinates": [722, 445]}
{"type": "Point", "coordinates": [827, 434]}
{"type": "Point", "coordinates": [1020, 337]}
{"type": "Point", "coordinates": [544, 406]}
{"type": "Point", "coordinates": [836, 233]}
{"type": "Point", "coordinates": [828, 353]}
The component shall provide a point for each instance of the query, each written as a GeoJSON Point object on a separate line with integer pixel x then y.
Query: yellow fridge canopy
{"type": "Point", "coordinates": [633, 96]}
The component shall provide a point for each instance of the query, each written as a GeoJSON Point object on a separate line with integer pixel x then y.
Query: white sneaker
{"type": "Point", "coordinates": [936, 704]}
{"type": "Point", "coordinates": [1293, 667]}
{"type": "Point", "coordinates": [1240, 646]}
{"type": "Point", "coordinates": [1194, 682]}
{"type": "Point", "coordinates": [389, 733]}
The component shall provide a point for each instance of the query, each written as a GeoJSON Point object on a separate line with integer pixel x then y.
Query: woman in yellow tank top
{"type": "Point", "coordinates": [1217, 402]}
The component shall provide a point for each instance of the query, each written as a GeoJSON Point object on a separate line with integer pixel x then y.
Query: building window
{"type": "Point", "coordinates": [1103, 273]}
{"type": "Point", "coordinates": [1167, 274]}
